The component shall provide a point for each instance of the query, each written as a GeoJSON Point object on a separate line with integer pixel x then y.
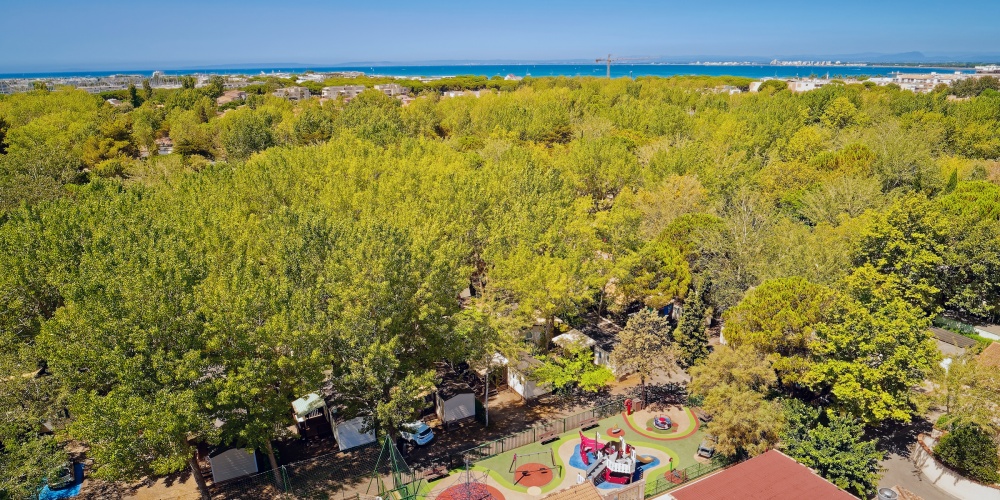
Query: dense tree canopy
{"type": "Point", "coordinates": [284, 244]}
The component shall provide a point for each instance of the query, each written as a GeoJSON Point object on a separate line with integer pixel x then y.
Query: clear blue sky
{"type": "Point", "coordinates": [139, 34]}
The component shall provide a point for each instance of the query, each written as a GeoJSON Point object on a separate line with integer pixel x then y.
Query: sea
{"type": "Point", "coordinates": [539, 70]}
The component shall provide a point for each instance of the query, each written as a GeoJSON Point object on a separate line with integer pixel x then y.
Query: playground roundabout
{"type": "Point", "coordinates": [665, 425]}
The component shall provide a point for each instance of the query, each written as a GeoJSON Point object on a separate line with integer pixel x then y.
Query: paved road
{"type": "Point", "coordinates": [901, 471]}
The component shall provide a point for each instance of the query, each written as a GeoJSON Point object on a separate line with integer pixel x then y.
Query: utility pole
{"type": "Point", "coordinates": [610, 60]}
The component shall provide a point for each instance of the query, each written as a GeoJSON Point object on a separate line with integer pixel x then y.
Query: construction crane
{"type": "Point", "coordinates": [610, 60]}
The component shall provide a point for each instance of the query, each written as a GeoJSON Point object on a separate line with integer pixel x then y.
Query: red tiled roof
{"type": "Point", "coordinates": [771, 476]}
{"type": "Point", "coordinates": [990, 357]}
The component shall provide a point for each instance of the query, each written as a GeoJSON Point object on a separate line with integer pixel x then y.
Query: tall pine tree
{"type": "Point", "coordinates": [690, 335]}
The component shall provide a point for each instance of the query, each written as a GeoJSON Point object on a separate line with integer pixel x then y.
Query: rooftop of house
{"type": "Point", "coordinates": [773, 476]}
{"type": "Point", "coordinates": [526, 363]}
{"type": "Point", "coordinates": [990, 356]}
{"type": "Point", "coordinates": [571, 337]}
{"type": "Point", "coordinates": [452, 385]}
{"type": "Point", "coordinates": [952, 338]}
{"type": "Point", "coordinates": [603, 331]}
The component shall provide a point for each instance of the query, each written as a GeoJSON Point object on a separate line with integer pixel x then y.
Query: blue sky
{"type": "Point", "coordinates": [60, 34]}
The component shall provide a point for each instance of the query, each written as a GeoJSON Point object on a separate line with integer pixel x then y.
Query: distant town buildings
{"type": "Point", "coordinates": [293, 93]}
{"type": "Point", "coordinates": [230, 96]}
{"type": "Point", "coordinates": [391, 89]}
{"type": "Point", "coordinates": [348, 92]}
{"type": "Point", "coordinates": [916, 82]}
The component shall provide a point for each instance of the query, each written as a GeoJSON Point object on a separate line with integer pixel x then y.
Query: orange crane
{"type": "Point", "coordinates": [610, 60]}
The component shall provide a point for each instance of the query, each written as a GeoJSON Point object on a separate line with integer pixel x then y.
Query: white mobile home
{"type": "Point", "coordinates": [232, 463]}
{"type": "Point", "coordinates": [519, 377]}
{"type": "Point", "coordinates": [455, 401]}
{"type": "Point", "coordinates": [351, 433]}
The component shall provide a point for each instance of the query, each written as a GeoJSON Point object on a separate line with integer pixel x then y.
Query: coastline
{"type": "Point", "coordinates": [749, 70]}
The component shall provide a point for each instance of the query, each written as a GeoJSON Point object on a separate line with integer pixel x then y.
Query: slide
{"type": "Point", "coordinates": [645, 459]}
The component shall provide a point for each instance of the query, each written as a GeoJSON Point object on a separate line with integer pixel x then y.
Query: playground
{"type": "Point", "coordinates": [615, 452]}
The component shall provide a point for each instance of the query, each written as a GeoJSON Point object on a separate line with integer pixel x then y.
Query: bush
{"type": "Point", "coordinates": [970, 451]}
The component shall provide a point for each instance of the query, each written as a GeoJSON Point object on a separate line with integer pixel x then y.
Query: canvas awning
{"type": "Point", "coordinates": [306, 405]}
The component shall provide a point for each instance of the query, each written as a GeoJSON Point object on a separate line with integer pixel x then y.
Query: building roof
{"type": "Point", "coordinates": [585, 491]}
{"type": "Point", "coordinates": [526, 363]}
{"type": "Point", "coordinates": [952, 338]}
{"type": "Point", "coordinates": [772, 476]}
{"type": "Point", "coordinates": [603, 331]}
{"type": "Point", "coordinates": [452, 386]}
{"type": "Point", "coordinates": [571, 337]}
{"type": "Point", "coordinates": [306, 404]}
{"type": "Point", "coordinates": [990, 356]}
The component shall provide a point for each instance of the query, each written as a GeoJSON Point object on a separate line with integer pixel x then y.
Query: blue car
{"type": "Point", "coordinates": [416, 433]}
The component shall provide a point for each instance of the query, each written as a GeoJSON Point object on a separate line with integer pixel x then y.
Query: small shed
{"type": "Point", "coordinates": [232, 463]}
{"type": "Point", "coordinates": [519, 377]}
{"type": "Point", "coordinates": [352, 434]}
{"type": "Point", "coordinates": [455, 401]}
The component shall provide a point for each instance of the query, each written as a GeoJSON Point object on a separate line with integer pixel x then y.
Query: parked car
{"type": "Point", "coordinates": [416, 433]}
{"type": "Point", "coordinates": [707, 447]}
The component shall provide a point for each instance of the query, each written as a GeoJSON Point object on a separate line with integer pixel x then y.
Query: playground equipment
{"type": "Point", "coordinates": [614, 461]}
{"type": "Point", "coordinates": [401, 482]}
{"type": "Point", "coordinates": [662, 422]}
{"type": "Point", "coordinates": [545, 458]}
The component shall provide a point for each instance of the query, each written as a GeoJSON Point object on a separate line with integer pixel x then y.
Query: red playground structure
{"type": "Point", "coordinates": [616, 461]}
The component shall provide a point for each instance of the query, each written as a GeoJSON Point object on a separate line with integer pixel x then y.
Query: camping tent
{"type": "Point", "coordinates": [232, 463]}
{"type": "Point", "coordinates": [351, 434]}
{"type": "Point", "coordinates": [455, 401]}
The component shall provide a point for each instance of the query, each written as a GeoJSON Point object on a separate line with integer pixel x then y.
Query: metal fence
{"type": "Point", "coordinates": [534, 434]}
{"type": "Point", "coordinates": [350, 475]}
{"type": "Point", "coordinates": [333, 476]}
{"type": "Point", "coordinates": [678, 477]}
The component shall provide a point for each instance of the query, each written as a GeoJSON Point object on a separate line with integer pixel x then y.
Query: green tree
{"type": "Point", "coordinates": [574, 368]}
{"type": "Point", "coordinates": [780, 317]}
{"type": "Point", "coordinates": [732, 385]}
{"type": "Point", "coordinates": [907, 241]}
{"type": "Point", "coordinates": [373, 116]}
{"type": "Point", "coordinates": [970, 451]}
{"type": "Point", "coordinates": [644, 347]}
{"type": "Point", "coordinates": [656, 275]}
{"type": "Point", "coordinates": [835, 449]}
{"type": "Point", "coordinates": [245, 132]}
{"type": "Point", "coordinates": [871, 360]}
{"type": "Point", "coordinates": [690, 335]}
{"type": "Point", "coordinates": [215, 87]}
{"type": "Point", "coordinates": [772, 86]}
{"type": "Point", "coordinates": [967, 393]}
{"type": "Point", "coordinates": [133, 96]}
{"type": "Point", "coordinates": [840, 113]}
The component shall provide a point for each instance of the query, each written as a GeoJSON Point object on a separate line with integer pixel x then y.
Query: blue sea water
{"type": "Point", "coordinates": [540, 70]}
